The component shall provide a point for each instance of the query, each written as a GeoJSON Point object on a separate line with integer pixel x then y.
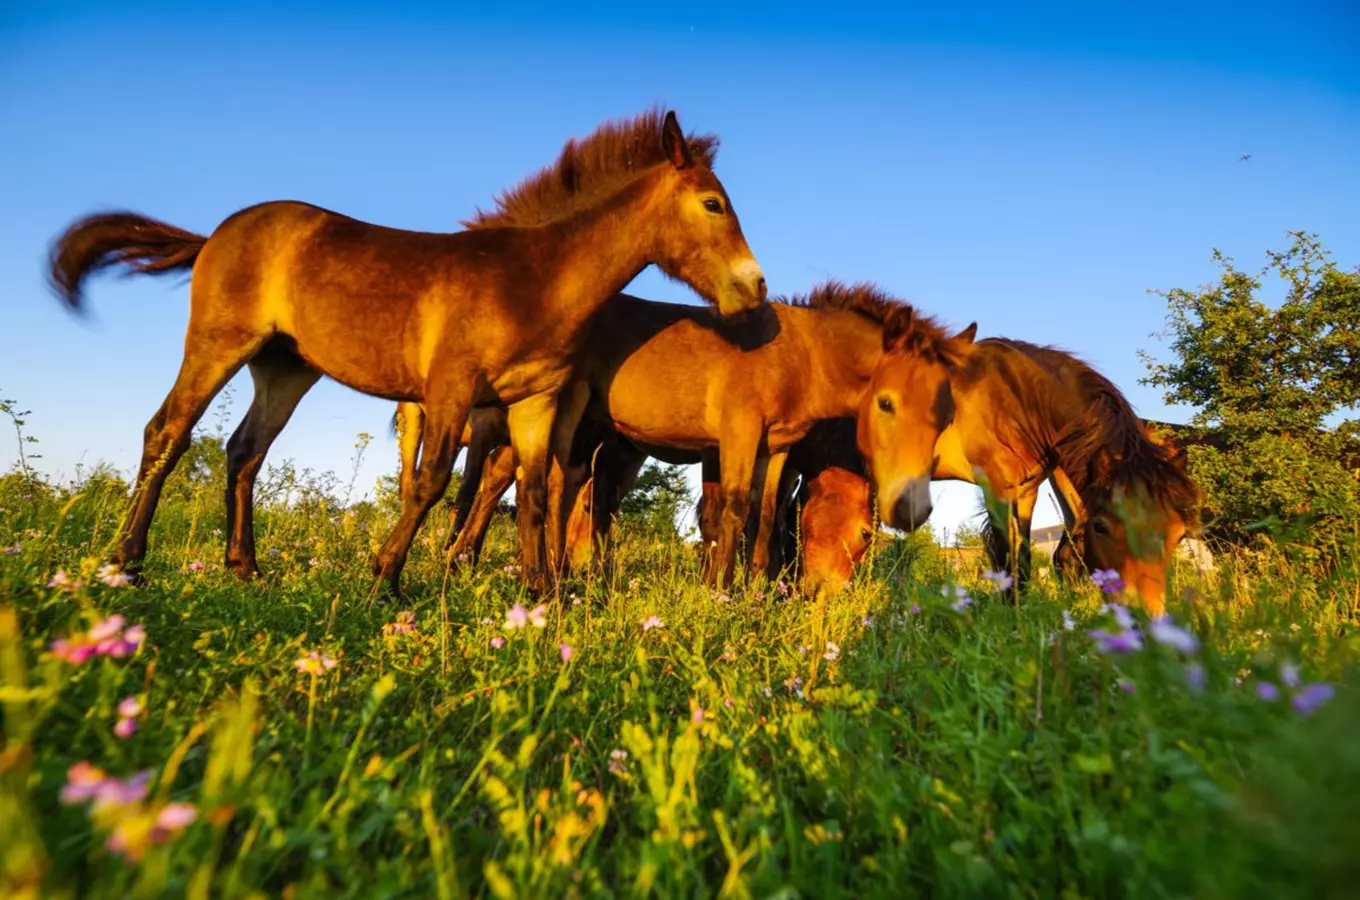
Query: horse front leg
{"type": "Point", "coordinates": [764, 557]}
{"type": "Point", "coordinates": [737, 457]}
{"type": "Point", "coordinates": [531, 428]}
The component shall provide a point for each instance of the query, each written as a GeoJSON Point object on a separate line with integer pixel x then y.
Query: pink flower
{"type": "Point", "coordinates": [108, 628]}
{"type": "Point", "coordinates": [75, 652]}
{"type": "Point", "coordinates": [538, 616]}
{"type": "Point", "coordinates": [833, 652]}
{"type": "Point", "coordinates": [82, 783]}
{"type": "Point", "coordinates": [176, 817]}
{"type": "Point", "coordinates": [566, 651]}
{"type": "Point", "coordinates": [652, 622]}
{"type": "Point", "coordinates": [405, 624]}
{"type": "Point", "coordinates": [697, 716]}
{"type": "Point", "coordinates": [196, 566]}
{"type": "Point", "coordinates": [516, 618]}
{"type": "Point", "coordinates": [315, 663]}
{"type": "Point", "coordinates": [125, 728]}
{"type": "Point", "coordinates": [112, 576]}
{"type": "Point", "coordinates": [497, 642]}
{"type": "Point", "coordinates": [14, 551]}
{"type": "Point", "coordinates": [618, 762]}
{"type": "Point", "coordinates": [62, 581]}
{"type": "Point", "coordinates": [114, 792]}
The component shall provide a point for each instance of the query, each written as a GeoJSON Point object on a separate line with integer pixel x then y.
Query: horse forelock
{"type": "Point", "coordinates": [588, 170]}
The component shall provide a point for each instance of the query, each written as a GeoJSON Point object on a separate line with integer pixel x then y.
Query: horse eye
{"type": "Point", "coordinates": [713, 205]}
{"type": "Point", "coordinates": [885, 403]}
{"type": "Point", "coordinates": [1100, 527]}
{"type": "Point", "coordinates": [865, 534]}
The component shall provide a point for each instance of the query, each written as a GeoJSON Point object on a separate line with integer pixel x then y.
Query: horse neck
{"type": "Point", "coordinates": [844, 349]}
{"type": "Point", "coordinates": [591, 255]}
{"type": "Point", "coordinates": [1036, 415]}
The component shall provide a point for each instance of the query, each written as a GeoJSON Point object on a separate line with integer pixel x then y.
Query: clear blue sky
{"type": "Point", "coordinates": [1037, 170]}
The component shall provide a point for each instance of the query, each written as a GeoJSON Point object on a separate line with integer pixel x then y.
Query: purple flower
{"type": "Point", "coordinates": [1125, 641]}
{"type": "Point", "coordinates": [405, 624]}
{"type": "Point", "coordinates": [1108, 580]}
{"type": "Point", "coordinates": [1068, 622]}
{"type": "Point", "coordinates": [1127, 686]}
{"type": "Point", "coordinates": [1310, 697]}
{"type": "Point", "coordinates": [1196, 677]}
{"type": "Point", "coordinates": [1001, 580]}
{"type": "Point", "coordinates": [1168, 634]}
{"type": "Point", "coordinates": [13, 551]}
{"type": "Point", "coordinates": [1267, 691]}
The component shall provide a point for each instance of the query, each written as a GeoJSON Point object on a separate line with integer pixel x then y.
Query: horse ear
{"type": "Point", "coordinates": [965, 337]}
{"type": "Point", "coordinates": [896, 328]}
{"type": "Point", "coordinates": [673, 142]}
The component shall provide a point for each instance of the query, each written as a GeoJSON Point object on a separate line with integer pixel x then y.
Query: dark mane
{"type": "Point", "coordinates": [614, 154]}
{"type": "Point", "coordinates": [919, 333]}
{"type": "Point", "coordinates": [1103, 432]}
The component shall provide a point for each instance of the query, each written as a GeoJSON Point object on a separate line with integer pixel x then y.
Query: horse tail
{"type": "Point", "coordinates": [103, 240]}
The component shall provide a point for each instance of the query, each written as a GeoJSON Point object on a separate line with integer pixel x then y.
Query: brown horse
{"type": "Point", "coordinates": [488, 316]}
{"type": "Point", "coordinates": [1026, 413]}
{"type": "Point", "coordinates": [677, 382]}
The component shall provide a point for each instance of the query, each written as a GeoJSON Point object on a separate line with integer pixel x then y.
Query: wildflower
{"type": "Point", "coordinates": [82, 783]}
{"type": "Point", "coordinates": [497, 642]}
{"type": "Point", "coordinates": [618, 762]}
{"type": "Point", "coordinates": [112, 576]}
{"type": "Point", "coordinates": [1310, 697]}
{"type": "Point", "coordinates": [315, 663]}
{"type": "Point", "coordinates": [1168, 634]}
{"type": "Point", "coordinates": [134, 834]}
{"type": "Point", "coordinates": [62, 582]}
{"type": "Point", "coordinates": [566, 652]}
{"type": "Point", "coordinates": [1001, 580]}
{"type": "Point", "coordinates": [516, 618]}
{"type": "Point", "coordinates": [961, 600]}
{"type": "Point", "coordinates": [1196, 677]}
{"type": "Point", "coordinates": [833, 652]}
{"type": "Point", "coordinates": [867, 621]}
{"type": "Point", "coordinates": [1068, 622]}
{"type": "Point", "coordinates": [1127, 686]}
{"type": "Point", "coordinates": [538, 616]}
{"type": "Point", "coordinates": [632, 586]}
{"type": "Point", "coordinates": [794, 683]}
{"type": "Point", "coordinates": [652, 622]}
{"type": "Point", "coordinates": [1108, 580]}
{"type": "Point", "coordinates": [728, 654]}
{"type": "Point", "coordinates": [273, 551]}
{"type": "Point", "coordinates": [1267, 691]}
{"type": "Point", "coordinates": [914, 608]}
{"type": "Point", "coordinates": [197, 565]}
{"type": "Point", "coordinates": [782, 588]}
{"type": "Point", "coordinates": [1122, 617]}
{"type": "Point", "coordinates": [1124, 641]}
{"type": "Point", "coordinates": [722, 597]}
{"type": "Point", "coordinates": [802, 651]}
{"type": "Point", "coordinates": [75, 651]}
{"type": "Point", "coordinates": [128, 712]}
{"type": "Point", "coordinates": [12, 551]}
{"type": "Point", "coordinates": [405, 623]}
{"type": "Point", "coordinates": [107, 629]}
{"type": "Point", "coordinates": [697, 716]}
{"type": "Point", "coordinates": [1289, 675]}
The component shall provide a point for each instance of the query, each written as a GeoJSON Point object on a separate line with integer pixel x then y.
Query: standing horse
{"type": "Point", "coordinates": [677, 382]}
{"type": "Point", "coordinates": [488, 316]}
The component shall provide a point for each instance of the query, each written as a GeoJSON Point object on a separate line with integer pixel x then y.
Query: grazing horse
{"type": "Point", "coordinates": [1027, 413]}
{"type": "Point", "coordinates": [492, 315]}
{"type": "Point", "coordinates": [1024, 413]}
{"type": "Point", "coordinates": [679, 383]}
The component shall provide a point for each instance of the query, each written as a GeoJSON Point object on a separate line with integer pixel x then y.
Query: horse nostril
{"type": "Point", "coordinates": [761, 290]}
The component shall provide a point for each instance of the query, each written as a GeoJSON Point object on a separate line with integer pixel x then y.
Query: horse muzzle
{"type": "Point", "coordinates": [909, 507]}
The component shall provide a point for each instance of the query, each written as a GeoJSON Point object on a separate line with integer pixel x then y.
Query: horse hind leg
{"type": "Point", "coordinates": [410, 426]}
{"type": "Point", "coordinates": [211, 358]}
{"type": "Point", "coordinates": [496, 477]}
{"type": "Point", "coordinates": [446, 412]}
{"type": "Point", "coordinates": [281, 381]}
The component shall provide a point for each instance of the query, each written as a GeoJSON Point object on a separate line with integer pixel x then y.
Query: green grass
{"type": "Point", "coordinates": [989, 753]}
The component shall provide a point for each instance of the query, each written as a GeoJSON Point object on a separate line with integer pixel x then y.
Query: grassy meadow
{"type": "Point", "coordinates": [642, 735]}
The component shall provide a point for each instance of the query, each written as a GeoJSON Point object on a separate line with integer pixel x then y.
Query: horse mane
{"type": "Point", "coordinates": [1103, 422]}
{"type": "Point", "coordinates": [913, 330]}
{"type": "Point", "coordinates": [588, 170]}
